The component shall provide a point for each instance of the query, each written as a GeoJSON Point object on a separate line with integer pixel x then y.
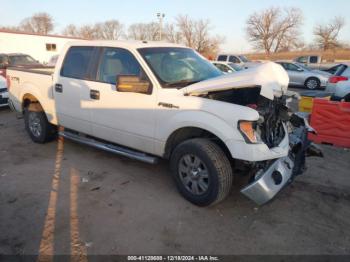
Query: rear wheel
{"type": "Point", "coordinates": [312, 83]}
{"type": "Point", "coordinates": [38, 127]}
{"type": "Point", "coordinates": [202, 172]}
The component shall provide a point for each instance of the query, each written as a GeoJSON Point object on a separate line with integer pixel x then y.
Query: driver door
{"type": "Point", "coordinates": [125, 118]}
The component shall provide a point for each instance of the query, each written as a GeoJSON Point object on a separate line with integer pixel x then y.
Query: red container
{"type": "Point", "coordinates": [331, 120]}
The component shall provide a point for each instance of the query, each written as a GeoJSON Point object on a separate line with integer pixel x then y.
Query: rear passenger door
{"type": "Point", "coordinates": [125, 118]}
{"type": "Point", "coordinates": [72, 89]}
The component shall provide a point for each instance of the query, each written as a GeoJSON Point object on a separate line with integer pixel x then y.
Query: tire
{"type": "Point", "coordinates": [38, 127]}
{"type": "Point", "coordinates": [312, 83]}
{"type": "Point", "coordinates": [214, 171]}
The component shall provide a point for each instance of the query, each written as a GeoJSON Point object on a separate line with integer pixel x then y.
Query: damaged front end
{"type": "Point", "coordinates": [277, 142]}
{"type": "Point", "coordinates": [271, 176]}
{"type": "Point", "coordinates": [275, 127]}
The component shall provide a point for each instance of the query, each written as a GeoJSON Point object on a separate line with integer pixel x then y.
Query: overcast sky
{"type": "Point", "coordinates": [227, 16]}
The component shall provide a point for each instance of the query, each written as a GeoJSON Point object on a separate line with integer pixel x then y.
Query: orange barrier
{"type": "Point", "coordinates": [331, 120]}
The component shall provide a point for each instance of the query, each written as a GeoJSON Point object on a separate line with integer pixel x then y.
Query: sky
{"type": "Point", "coordinates": [227, 17]}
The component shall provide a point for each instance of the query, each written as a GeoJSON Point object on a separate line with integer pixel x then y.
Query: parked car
{"type": "Point", "coordinates": [150, 100]}
{"type": "Point", "coordinates": [339, 84]}
{"type": "Point", "coordinates": [17, 60]}
{"type": "Point", "coordinates": [302, 76]}
{"type": "Point", "coordinates": [227, 67]}
{"type": "Point", "coordinates": [241, 60]}
{"type": "Point", "coordinates": [3, 92]}
{"type": "Point", "coordinates": [314, 62]}
{"type": "Point", "coordinates": [333, 69]}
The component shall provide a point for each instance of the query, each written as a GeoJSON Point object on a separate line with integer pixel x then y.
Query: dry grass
{"type": "Point", "coordinates": [327, 56]}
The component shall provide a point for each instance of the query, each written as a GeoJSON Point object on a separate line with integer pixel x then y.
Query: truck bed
{"type": "Point", "coordinates": [34, 81]}
{"type": "Point", "coordinates": [43, 71]}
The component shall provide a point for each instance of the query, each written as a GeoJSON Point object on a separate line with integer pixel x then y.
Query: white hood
{"type": "Point", "coordinates": [272, 78]}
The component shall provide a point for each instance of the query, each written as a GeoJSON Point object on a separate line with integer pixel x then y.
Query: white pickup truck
{"type": "Point", "coordinates": [148, 100]}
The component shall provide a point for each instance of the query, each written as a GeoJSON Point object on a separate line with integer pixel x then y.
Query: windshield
{"type": "Point", "coordinates": [21, 60]}
{"type": "Point", "coordinates": [243, 58]}
{"type": "Point", "coordinates": [235, 66]}
{"type": "Point", "coordinates": [178, 67]}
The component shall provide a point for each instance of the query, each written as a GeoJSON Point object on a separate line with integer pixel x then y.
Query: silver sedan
{"type": "Point", "coordinates": [300, 75]}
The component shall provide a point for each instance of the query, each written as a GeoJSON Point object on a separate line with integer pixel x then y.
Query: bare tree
{"type": "Point", "coordinates": [71, 30]}
{"type": "Point", "coordinates": [327, 34]}
{"type": "Point", "coordinates": [144, 31]}
{"type": "Point", "coordinates": [88, 32]}
{"type": "Point", "coordinates": [41, 23]}
{"type": "Point", "coordinates": [196, 34]}
{"type": "Point", "coordinates": [187, 29]}
{"type": "Point", "coordinates": [171, 34]}
{"type": "Point", "coordinates": [109, 30]}
{"type": "Point", "coordinates": [274, 28]}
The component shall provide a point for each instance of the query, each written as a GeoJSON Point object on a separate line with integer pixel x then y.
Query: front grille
{"type": "Point", "coordinates": [270, 126]}
{"type": "Point", "coordinates": [3, 101]}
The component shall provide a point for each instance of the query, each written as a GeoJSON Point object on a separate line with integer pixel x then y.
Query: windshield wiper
{"type": "Point", "coordinates": [181, 83]}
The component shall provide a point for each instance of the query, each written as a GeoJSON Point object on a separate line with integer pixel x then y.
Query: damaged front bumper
{"type": "Point", "coordinates": [269, 182]}
{"type": "Point", "coordinates": [275, 175]}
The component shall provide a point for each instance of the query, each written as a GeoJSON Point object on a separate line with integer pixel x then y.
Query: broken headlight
{"type": "Point", "coordinates": [248, 131]}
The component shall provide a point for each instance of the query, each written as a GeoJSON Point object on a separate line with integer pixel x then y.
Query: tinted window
{"type": "Point", "coordinates": [115, 62]}
{"type": "Point", "coordinates": [222, 57]}
{"type": "Point", "coordinates": [21, 60]}
{"type": "Point", "coordinates": [290, 67]}
{"type": "Point", "coordinates": [302, 59]}
{"type": "Point", "coordinates": [244, 58]}
{"type": "Point", "coordinates": [223, 68]}
{"type": "Point", "coordinates": [76, 62]}
{"type": "Point", "coordinates": [234, 59]}
{"type": "Point", "coordinates": [340, 70]}
{"type": "Point", "coordinates": [313, 59]}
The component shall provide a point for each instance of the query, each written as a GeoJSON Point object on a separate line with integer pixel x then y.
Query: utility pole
{"type": "Point", "coordinates": [160, 18]}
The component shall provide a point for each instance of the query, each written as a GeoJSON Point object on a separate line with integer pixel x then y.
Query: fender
{"type": "Point", "coordinates": [47, 105]}
{"type": "Point", "coordinates": [199, 119]}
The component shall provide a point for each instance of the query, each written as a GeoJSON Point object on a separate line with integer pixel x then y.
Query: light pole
{"type": "Point", "coordinates": [160, 18]}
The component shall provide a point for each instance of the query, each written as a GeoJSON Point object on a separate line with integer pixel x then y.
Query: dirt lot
{"type": "Point", "coordinates": [62, 198]}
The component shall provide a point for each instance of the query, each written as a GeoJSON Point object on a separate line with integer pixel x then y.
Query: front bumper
{"type": "Point", "coordinates": [268, 183]}
{"type": "Point", "coordinates": [275, 175]}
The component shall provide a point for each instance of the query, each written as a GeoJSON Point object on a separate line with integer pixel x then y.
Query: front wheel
{"type": "Point", "coordinates": [312, 83]}
{"type": "Point", "coordinates": [202, 172]}
{"type": "Point", "coordinates": [38, 127]}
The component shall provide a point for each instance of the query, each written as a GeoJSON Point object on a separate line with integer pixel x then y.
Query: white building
{"type": "Point", "coordinates": [40, 47]}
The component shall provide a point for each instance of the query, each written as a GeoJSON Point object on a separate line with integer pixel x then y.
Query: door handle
{"type": "Point", "coordinates": [94, 94]}
{"type": "Point", "coordinates": [58, 88]}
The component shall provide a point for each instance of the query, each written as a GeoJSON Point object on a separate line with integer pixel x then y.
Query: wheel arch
{"type": "Point", "coordinates": [190, 132]}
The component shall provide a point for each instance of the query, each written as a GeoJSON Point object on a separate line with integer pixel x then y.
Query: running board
{"type": "Point", "coordinates": [119, 150]}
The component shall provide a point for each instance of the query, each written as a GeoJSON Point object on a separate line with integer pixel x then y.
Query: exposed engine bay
{"type": "Point", "coordinates": [272, 112]}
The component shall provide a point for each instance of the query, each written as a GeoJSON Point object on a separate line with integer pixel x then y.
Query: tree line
{"type": "Point", "coordinates": [185, 30]}
{"type": "Point", "coordinates": [271, 30]}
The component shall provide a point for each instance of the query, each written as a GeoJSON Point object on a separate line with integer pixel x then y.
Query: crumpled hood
{"type": "Point", "coordinates": [272, 78]}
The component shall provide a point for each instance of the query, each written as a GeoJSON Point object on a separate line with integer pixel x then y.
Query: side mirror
{"type": "Point", "coordinates": [300, 70]}
{"type": "Point", "coordinates": [132, 83]}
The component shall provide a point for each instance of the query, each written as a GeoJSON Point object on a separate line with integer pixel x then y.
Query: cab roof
{"type": "Point", "coordinates": [128, 44]}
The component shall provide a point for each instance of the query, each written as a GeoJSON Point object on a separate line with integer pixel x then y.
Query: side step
{"type": "Point", "coordinates": [119, 150]}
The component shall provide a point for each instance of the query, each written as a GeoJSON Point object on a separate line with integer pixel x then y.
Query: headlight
{"type": "Point", "coordinates": [248, 131]}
